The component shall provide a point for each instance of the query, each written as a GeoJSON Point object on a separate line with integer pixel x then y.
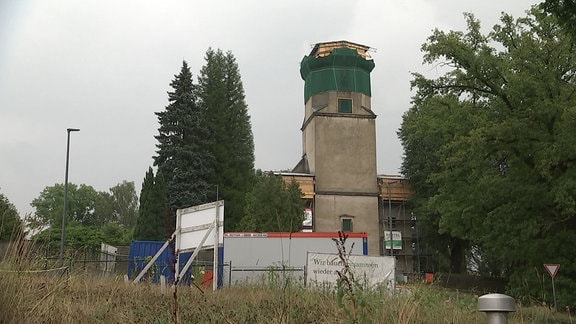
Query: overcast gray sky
{"type": "Point", "coordinates": [104, 66]}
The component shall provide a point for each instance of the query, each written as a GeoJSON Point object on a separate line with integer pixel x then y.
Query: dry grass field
{"type": "Point", "coordinates": [30, 296]}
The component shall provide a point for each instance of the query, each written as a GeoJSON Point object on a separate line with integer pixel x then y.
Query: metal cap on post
{"type": "Point", "coordinates": [496, 307]}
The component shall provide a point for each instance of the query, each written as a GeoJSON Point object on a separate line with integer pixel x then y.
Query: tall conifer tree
{"type": "Point", "coordinates": [183, 155]}
{"type": "Point", "coordinates": [151, 222]}
{"type": "Point", "coordinates": [221, 96]}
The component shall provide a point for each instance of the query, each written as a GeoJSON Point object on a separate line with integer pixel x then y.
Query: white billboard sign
{"type": "Point", "coordinates": [372, 271]}
{"type": "Point", "coordinates": [193, 227]}
{"type": "Point", "coordinates": [193, 223]}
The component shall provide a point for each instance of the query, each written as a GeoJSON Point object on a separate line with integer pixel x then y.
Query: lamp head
{"type": "Point", "coordinates": [72, 130]}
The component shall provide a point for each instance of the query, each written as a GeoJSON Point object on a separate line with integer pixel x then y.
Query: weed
{"type": "Point", "coordinates": [351, 295]}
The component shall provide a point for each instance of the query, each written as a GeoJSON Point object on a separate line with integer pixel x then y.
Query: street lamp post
{"type": "Point", "coordinates": [63, 234]}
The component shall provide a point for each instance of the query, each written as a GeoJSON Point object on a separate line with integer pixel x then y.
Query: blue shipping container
{"type": "Point", "coordinates": [141, 252]}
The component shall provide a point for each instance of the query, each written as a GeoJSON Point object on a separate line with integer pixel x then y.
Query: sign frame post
{"type": "Point", "coordinates": [552, 269]}
{"type": "Point", "coordinates": [192, 234]}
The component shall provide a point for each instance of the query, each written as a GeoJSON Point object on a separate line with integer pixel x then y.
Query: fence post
{"type": "Point", "coordinates": [105, 261]}
{"type": "Point", "coordinates": [162, 284]}
{"type": "Point", "coordinates": [230, 274]}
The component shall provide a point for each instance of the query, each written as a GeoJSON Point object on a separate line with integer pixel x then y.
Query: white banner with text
{"type": "Point", "coordinates": [370, 271]}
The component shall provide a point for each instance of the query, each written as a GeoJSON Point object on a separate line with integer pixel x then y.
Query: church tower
{"type": "Point", "coordinates": [339, 139]}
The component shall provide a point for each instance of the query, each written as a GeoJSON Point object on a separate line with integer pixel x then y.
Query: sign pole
{"type": "Point", "coordinates": [552, 270]}
{"type": "Point", "coordinates": [554, 293]}
{"type": "Point", "coordinates": [216, 246]}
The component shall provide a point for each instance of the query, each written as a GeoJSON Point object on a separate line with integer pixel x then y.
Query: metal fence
{"type": "Point", "coordinates": [273, 275]}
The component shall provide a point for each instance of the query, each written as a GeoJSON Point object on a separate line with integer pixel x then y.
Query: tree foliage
{"type": "Point", "coordinates": [565, 10]}
{"type": "Point", "coordinates": [85, 205]}
{"type": "Point", "coordinates": [154, 218]}
{"type": "Point", "coordinates": [221, 96]}
{"type": "Point", "coordinates": [205, 143]}
{"type": "Point", "coordinates": [96, 216]}
{"type": "Point", "coordinates": [489, 147]}
{"type": "Point", "coordinates": [83, 237]}
{"type": "Point", "coordinates": [82, 203]}
{"type": "Point", "coordinates": [184, 155]}
{"type": "Point", "coordinates": [10, 222]}
{"type": "Point", "coordinates": [124, 203]}
{"type": "Point", "coordinates": [273, 206]}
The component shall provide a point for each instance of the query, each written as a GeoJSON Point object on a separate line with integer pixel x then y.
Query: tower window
{"type": "Point", "coordinates": [346, 225]}
{"type": "Point", "coordinates": [344, 105]}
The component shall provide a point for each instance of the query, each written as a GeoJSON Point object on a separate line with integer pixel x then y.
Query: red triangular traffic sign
{"type": "Point", "coordinates": [552, 269]}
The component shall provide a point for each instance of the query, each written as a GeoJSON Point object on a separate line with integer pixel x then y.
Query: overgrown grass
{"type": "Point", "coordinates": [30, 298]}
{"type": "Point", "coordinates": [48, 297]}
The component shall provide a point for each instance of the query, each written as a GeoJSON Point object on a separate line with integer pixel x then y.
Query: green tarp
{"type": "Point", "coordinates": [344, 70]}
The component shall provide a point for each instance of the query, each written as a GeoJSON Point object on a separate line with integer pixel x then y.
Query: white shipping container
{"type": "Point", "coordinates": [257, 256]}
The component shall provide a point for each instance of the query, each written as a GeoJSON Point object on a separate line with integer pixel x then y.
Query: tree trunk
{"type": "Point", "coordinates": [457, 256]}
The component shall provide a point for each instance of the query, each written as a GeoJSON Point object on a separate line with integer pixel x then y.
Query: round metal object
{"type": "Point", "coordinates": [496, 303]}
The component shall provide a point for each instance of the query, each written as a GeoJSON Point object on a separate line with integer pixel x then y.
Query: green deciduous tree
{"type": "Point", "coordinates": [489, 147]}
{"type": "Point", "coordinates": [153, 216]}
{"type": "Point", "coordinates": [565, 10]}
{"type": "Point", "coordinates": [104, 209]}
{"type": "Point", "coordinates": [82, 204]}
{"type": "Point", "coordinates": [10, 222]}
{"type": "Point", "coordinates": [78, 237]}
{"type": "Point", "coordinates": [116, 234]}
{"type": "Point", "coordinates": [273, 206]}
{"type": "Point", "coordinates": [85, 205]}
{"type": "Point", "coordinates": [124, 203]}
{"type": "Point", "coordinates": [99, 214]}
{"type": "Point", "coordinates": [48, 207]}
{"type": "Point", "coordinates": [426, 128]}
{"type": "Point", "coordinates": [221, 96]}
